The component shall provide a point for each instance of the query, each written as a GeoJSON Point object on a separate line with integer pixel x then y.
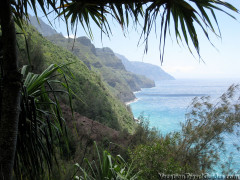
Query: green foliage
{"type": "Point", "coordinates": [106, 167]}
{"type": "Point", "coordinates": [153, 153]}
{"type": "Point", "coordinates": [32, 54]}
{"type": "Point", "coordinates": [156, 157]}
{"type": "Point", "coordinates": [206, 124]}
{"type": "Point", "coordinates": [41, 125]}
{"type": "Point", "coordinates": [93, 98]}
{"type": "Point", "coordinates": [144, 133]}
{"type": "Point", "coordinates": [198, 147]}
{"type": "Point", "coordinates": [83, 12]}
{"type": "Point", "coordinates": [103, 61]}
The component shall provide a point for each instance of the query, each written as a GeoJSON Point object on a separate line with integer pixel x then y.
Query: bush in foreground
{"type": "Point", "coordinates": [198, 147]}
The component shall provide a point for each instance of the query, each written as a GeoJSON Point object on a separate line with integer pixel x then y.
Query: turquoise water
{"type": "Point", "coordinates": [166, 104]}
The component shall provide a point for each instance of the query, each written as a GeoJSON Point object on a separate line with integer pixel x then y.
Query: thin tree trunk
{"type": "Point", "coordinates": [11, 93]}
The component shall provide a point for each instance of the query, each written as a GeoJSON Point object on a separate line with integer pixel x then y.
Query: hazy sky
{"type": "Point", "coordinates": [221, 61]}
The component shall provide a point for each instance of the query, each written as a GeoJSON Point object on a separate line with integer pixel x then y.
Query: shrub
{"type": "Point", "coordinates": [198, 147]}
{"type": "Point", "coordinates": [105, 167]}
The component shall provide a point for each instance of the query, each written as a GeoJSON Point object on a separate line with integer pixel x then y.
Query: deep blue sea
{"type": "Point", "coordinates": [166, 104]}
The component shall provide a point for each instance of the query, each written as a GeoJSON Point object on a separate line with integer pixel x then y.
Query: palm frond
{"type": "Point", "coordinates": [41, 124]}
{"type": "Point", "coordinates": [185, 15]}
{"type": "Point", "coordinates": [106, 167]}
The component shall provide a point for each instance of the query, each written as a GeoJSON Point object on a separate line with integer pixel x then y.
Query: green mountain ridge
{"type": "Point", "coordinates": [103, 61]}
{"type": "Point", "coordinates": [151, 71]}
{"type": "Point", "coordinates": [97, 102]}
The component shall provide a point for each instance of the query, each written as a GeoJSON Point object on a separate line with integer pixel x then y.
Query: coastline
{"type": "Point", "coordinates": [136, 92]}
{"type": "Point", "coordinates": [130, 102]}
{"type": "Point", "coordinates": [134, 100]}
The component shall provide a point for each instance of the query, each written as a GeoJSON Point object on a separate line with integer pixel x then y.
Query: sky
{"type": "Point", "coordinates": [219, 61]}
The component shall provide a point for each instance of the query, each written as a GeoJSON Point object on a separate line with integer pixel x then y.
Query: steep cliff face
{"type": "Point", "coordinates": [151, 71]}
{"type": "Point", "coordinates": [86, 42]}
{"type": "Point", "coordinates": [93, 98]}
{"type": "Point", "coordinates": [109, 59]}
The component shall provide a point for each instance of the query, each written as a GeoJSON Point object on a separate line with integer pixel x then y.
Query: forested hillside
{"type": "Point", "coordinates": [103, 61]}
{"type": "Point", "coordinates": [93, 98]}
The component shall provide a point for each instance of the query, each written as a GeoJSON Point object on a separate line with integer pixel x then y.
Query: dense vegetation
{"type": "Point", "coordinates": [80, 12]}
{"type": "Point", "coordinates": [196, 149]}
{"type": "Point", "coordinates": [92, 97]}
{"type": "Point", "coordinates": [104, 62]}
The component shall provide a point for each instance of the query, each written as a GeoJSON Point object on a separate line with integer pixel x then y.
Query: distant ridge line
{"type": "Point", "coordinates": [151, 71]}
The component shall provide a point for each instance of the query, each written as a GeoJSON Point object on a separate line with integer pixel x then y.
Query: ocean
{"type": "Point", "coordinates": [166, 104]}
